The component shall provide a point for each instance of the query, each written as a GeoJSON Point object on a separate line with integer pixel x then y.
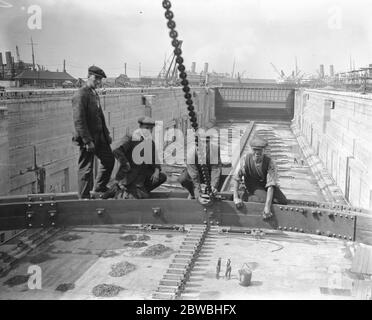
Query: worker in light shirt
{"type": "Point", "coordinates": [259, 174]}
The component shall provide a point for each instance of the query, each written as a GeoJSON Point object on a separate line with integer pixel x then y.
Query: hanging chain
{"type": "Point", "coordinates": [186, 89]}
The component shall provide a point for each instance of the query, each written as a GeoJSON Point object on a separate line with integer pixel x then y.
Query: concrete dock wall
{"type": "Point", "coordinates": [338, 127]}
{"type": "Point", "coordinates": [36, 131]}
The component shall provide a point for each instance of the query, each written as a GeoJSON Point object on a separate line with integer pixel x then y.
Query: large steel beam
{"type": "Point", "coordinates": [63, 213]}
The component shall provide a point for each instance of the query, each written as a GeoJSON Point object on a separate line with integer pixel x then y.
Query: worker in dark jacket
{"type": "Point", "coordinates": [192, 179]}
{"type": "Point", "coordinates": [260, 178]}
{"type": "Point", "coordinates": [92, 135]}
{"type": "Point", "coordinates": [139, 172]}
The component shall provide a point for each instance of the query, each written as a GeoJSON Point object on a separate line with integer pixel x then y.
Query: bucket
{"type": "Point", "coordinates": [245, 276]}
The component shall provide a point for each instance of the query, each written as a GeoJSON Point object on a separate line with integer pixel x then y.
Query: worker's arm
{"type": "Point", "coordinates": [193, 171]}
{"type": "Point", "coordinates": [79, 107]}
{"type": "Point", "coordinates": [216, 172]}
{"type": "Point", "coordinates": [237, 180]}
{"type": "Point", "coordinates": [272, 182]}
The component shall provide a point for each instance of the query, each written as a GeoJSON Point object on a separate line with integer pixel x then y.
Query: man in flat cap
{"type": "Point", "coordinates": [192, 178]}
{"type": "Point", "coordinates": [92, 135]}
{"type": "Point", "coordinates": [259, 174]}
{"type": "Point", "coordinates": [139, 172]}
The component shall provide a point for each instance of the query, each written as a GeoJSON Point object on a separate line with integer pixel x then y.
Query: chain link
{"type": "Point", "coordinates": [186, 89]}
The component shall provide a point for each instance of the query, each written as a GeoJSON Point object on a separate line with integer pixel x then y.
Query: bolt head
{"type": "Point", "coordinates": [29, 216]}
{"type": "Point", "coordinates": [41, 205]}
{"type": "Point", "coordinates": [285, 228]}
{"type": "Point", "coordinates": [301, 230]}
{"type": "Point", "coordinates": [30, 225]}
{"type": "Point", "coordinates": [280, 228]}
{"type": "Point", "coordinates": [318, 232]}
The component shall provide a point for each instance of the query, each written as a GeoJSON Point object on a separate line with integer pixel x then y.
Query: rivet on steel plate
{"type": "Point", "coordinates": [301, 230]}
{"type": "Point", "coordinates": [290, 229]}
{"type": "Point", "coordinates": [318, 232]}
{"type": "Point", "coordinates": [52, 204]}
{"type": "Point", "coordinates": [350, 238]}
{"type": "Point", "coordinates": [30, 225]}
{"type": "Point", "coordinates": [295, 229]}
{"type": "Point", "coordinates": [156, 211]}
{"type": "Point", "coordinates": [52, 214]}
{"type": "Point", "coordinates": [280, 228]}
{"type": "Point", "coordinates": [29, 205]}
{"type": "Point", "coordinates": [285, 228]}
{"type": "Point", "coordinates": [29, 215]}
{"type": "Point", "coordinates": [41, 205]}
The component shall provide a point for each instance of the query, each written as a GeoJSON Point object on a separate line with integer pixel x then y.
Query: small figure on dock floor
{"type": "Point", "coordinates": [218, 268]}
{"type": "Point", "coordinates": [228, 270]}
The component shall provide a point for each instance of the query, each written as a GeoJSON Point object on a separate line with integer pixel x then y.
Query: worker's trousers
{"type": "Point", "coordinates": [85, 174]}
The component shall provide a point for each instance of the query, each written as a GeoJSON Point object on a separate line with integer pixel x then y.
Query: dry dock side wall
{"type": "Point", "coordinates": [36, 131]}
{"type": "Point", "coordinates": [338, 127]}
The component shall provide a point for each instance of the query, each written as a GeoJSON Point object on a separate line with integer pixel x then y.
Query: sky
{"type": "Point", "coordinates": [253, 33]}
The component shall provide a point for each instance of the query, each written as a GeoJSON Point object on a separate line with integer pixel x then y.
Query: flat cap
{"type": "Point", "coordinates": [97, 72]}
{"type": "Point", "coordinates": [258, 143]}
{"type": "Point", "coordinates": [146, 120]}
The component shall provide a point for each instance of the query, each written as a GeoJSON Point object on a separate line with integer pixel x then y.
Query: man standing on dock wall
{"type": "Point", "coordinates": [260, 178]}
{"type": "Point", "coordinates": [92, 135]}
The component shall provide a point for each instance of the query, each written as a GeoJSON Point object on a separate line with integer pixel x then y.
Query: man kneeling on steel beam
{"type": "Point", "coordinates": [260, 179]}
{"type": "Point", "coordinates": [136, 179]}
{"type": "Point", "coordinates": [192, 178]}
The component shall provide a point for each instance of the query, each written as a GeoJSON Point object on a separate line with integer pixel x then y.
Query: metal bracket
{"type": "Point", "coordinates": [41, 214]}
